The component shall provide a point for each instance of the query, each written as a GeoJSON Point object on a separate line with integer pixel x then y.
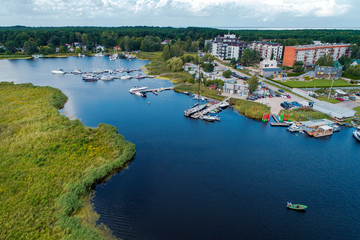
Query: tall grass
{"type": "Point", "coordinates": [48, 163]}
{"type": "Point", "coordinates": [249, 109]}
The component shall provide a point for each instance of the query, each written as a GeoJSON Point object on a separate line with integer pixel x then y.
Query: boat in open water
{"type": "Point", "coordinates": [296, 207]}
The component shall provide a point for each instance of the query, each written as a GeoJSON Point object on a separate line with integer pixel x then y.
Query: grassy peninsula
{"type": "Point", "coordinates": [49, 163]}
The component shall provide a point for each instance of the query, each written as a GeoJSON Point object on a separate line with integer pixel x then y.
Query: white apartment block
{"type": "Point", "coordinates": [268, 50]}
{"type": "Point", "coordinates": [227, 47]}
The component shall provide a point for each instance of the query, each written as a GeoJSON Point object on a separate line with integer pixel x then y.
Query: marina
{"type": "Point", "coordinates": [221, 181]}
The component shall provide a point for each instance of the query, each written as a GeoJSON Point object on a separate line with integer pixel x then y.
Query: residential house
{"type": "Point", "coordinates": [355, 62]}
{"type": "Point", "coordinates": [328, 72]}
{"type": "Point", "coordinates": [268, 50]}
{"type": "Point", "coordinates": [268, 64]}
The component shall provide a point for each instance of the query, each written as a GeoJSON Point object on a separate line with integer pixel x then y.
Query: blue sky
{"type": "Point", "coordinates": [182, 13]}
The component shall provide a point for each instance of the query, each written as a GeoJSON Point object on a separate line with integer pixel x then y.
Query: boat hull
{"type": "Point", "coordinates": [297, 207]}
{"type": "Point", "coordinates": [356, 135]}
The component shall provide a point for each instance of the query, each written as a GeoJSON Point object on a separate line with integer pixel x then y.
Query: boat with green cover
{"type": "Point", "coordinates": [297, 207]}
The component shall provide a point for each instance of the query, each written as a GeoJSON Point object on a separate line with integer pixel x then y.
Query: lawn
{"type": "Point", "coordinates": [158, 66]}
{"type": "Point", "coordinates": [14, 56]}
{"type": "Point", "coordinates": [323, 83]}
{"type": "Point", "coordinates": [357, 110]}
{"type": "Point", "coordinates": [304, 114]}
{"type": "Point", "coordinates": [194, 88]}
{"type": "Point", "coordinates": [48, 163]}
{"type": "Point", "coordinates": [330, 100]}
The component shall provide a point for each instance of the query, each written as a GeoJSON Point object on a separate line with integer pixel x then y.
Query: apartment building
{"type": "Point", "coordinates": [309, 54]}
{"type": "Point", "coordinates": [268, 50]}
{"type": "Point", "coordinates": [227, 47]}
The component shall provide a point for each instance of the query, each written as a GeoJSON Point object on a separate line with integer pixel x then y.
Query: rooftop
{"type": "Point", "coordinates": [321, 45]}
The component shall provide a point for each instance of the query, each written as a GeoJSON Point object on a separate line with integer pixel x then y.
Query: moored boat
{"type": "Point", "coordinates": [107, 78]}
{"type": "Point", "coordinates": [224, 105]}
{"type": "Point", "coordinates": [321, 131]}
{"type": "Point", "coordinates": [126, 77]}
{"type": "Point", "coordinates": [90, 77]}
{"type": "Point", "coordinates": [356, 134]}
{"type": "Point", "coordinates": [295, 206]}
{"type": "Point", "coordinates": [59, 71]}
{"type": "Point", "coordinates": [137, 88]}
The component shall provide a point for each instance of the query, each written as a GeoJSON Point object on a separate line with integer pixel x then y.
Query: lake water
{"type": "Point", "coordinates": [196, 180]}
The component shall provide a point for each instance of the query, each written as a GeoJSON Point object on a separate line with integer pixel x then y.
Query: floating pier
{"type": "Point", "coordinates": [280, 124]}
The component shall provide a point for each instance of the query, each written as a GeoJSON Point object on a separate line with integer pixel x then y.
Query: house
{"type": "Point", "coordinates": [328, 72]}
{"type": "Point", "coordinates": [268, 64]}
{"type": "Point", "coordinates": [355, 62]}
{"type": "Point", "coordinates": [212, 87]}
{"type": "Point", "coordinates": [236, 89]}
{"type": "Point", "coordinates": [272, 72]}
{"type": "Point", "coordinates": [166, 41]}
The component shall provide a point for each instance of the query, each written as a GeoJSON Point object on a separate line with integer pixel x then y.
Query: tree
{"type": "Point", "coordinates": [207, 47]}
{"type": "Point", "coordinates": [345, 61]}
{"type": "Point", "coordinates": [207, 67]}
{"type": "Point", "coordinates": [10, 46]}
{"type": "Point", "coordinates": [326, 60]}
{"type": "Point", "coordinates": [253, 83]}
{"type": "Point", "coordinates": [250, 56]}
{"type": "Point", "coordinates": [62, 49]}
{"type": "Point", "coordinates": [30, 47]}
{"type": "Point", "coordinates": [227, 73]}
{"type": "Point", "coordinates": [166, 52]}
{"type": "Point", "coordinates": [175, 64]}
{"type": "Point", "coordinates": [298, 66]}
{"type": "Point", "coordinates": [233, 61]}
{"type": "Point", "coordinates": [208, 58]}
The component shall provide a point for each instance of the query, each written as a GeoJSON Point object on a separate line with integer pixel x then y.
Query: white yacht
{"type": "Point", "coordinates": [126, 77]}
{"type": "Point", "coordinates": [59, 71]}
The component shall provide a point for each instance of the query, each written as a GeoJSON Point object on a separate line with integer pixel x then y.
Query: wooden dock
{"type": "Point", "coordinates": [275, 118]}
{"type": "Point", "coordinates": [279, 124]}
{"type": "Point", "coordinates": [209, 109]}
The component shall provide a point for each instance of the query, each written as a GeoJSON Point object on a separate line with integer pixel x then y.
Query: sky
{"type": "Point", "coordinates": [183, 13]}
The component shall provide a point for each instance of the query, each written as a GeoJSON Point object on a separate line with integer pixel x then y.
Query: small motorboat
{"type": "Point", "coordinates": [126, 77]}
{"type": "Point", "coordinates": [140, 93]}
{"type": "Point", "coordinates": [294, 128]}
{"type": "Point", "coordinates": [224, 105]}
{"type": "Point", "coordinates": [77, 71]}
{"type": "Point", "coordinates": [136, 89]}
{"type": "Point", "coordinates": [356, 134]}
{"type": "Point", "coordinates": [140, 76]}
{"type": "Point", "coordinates": [296, 207]}
{"type": "Point", "coordinates": [209, 118]}
{"type": "Point", "coordinates": [107, 78]}
{"type": "Point", "coordinates": [90, 77]}
{"type": "Point", "coordinates": [59, 71]}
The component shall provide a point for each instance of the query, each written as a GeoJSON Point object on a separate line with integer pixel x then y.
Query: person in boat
{"type": "Point", "coordinates": [289, 204]}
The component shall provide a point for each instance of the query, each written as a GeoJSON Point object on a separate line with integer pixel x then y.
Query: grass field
{"type": "Point", "coordinates": [15, 56]}
{"type": "Point", "coordinates": [194, 88]}
{"type": "Point", "coordinates": [158, 66]}
{"type": "Point", "coordinates": [323, 83]}
{"type": "Point", "coordinates": [330, 100]}
{"type": "Point", "coordinates": [357, 110]}
{"type": "Point", "coordinates": [304, 114]}
{"type": "Point", "coordinates": [48, 163]}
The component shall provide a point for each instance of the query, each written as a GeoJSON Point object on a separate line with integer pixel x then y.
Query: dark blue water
{"type": "Point", "coordinates": [196, 180]}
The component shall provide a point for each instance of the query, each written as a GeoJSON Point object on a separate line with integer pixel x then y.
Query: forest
{"type": "Point", "coordinates": [46, 39]}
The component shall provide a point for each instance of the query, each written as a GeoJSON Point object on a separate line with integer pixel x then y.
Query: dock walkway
{"type": "Point", "coordinates": [209, 109]}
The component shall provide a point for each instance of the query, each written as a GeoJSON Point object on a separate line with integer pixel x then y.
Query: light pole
{"type": "Point", "coordinates": [331, 85]}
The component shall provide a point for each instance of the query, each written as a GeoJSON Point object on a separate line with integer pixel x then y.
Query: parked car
{"type": "Point", "coordinates": [340, 99]}
{"type": "Point", "coordinates": [352, 98]}
{"type": "Point", "coordinates": [288, 96]}
{"type": "Point", "coordinates": [296, 104]}
{"type": "Point", "coordinates": [280, 90]}
{"type": "Point", "coordinates": [289, 104]}
{"type": "Point", "coordinates": [284, 105]}
{"type": "Point", "coordinates": [357, 94]}
{"type": "Point", "coordinates": [277, 95]}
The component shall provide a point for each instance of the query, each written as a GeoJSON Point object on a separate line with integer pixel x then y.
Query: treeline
{"type": "Point", "coordinates": [31, 39]}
